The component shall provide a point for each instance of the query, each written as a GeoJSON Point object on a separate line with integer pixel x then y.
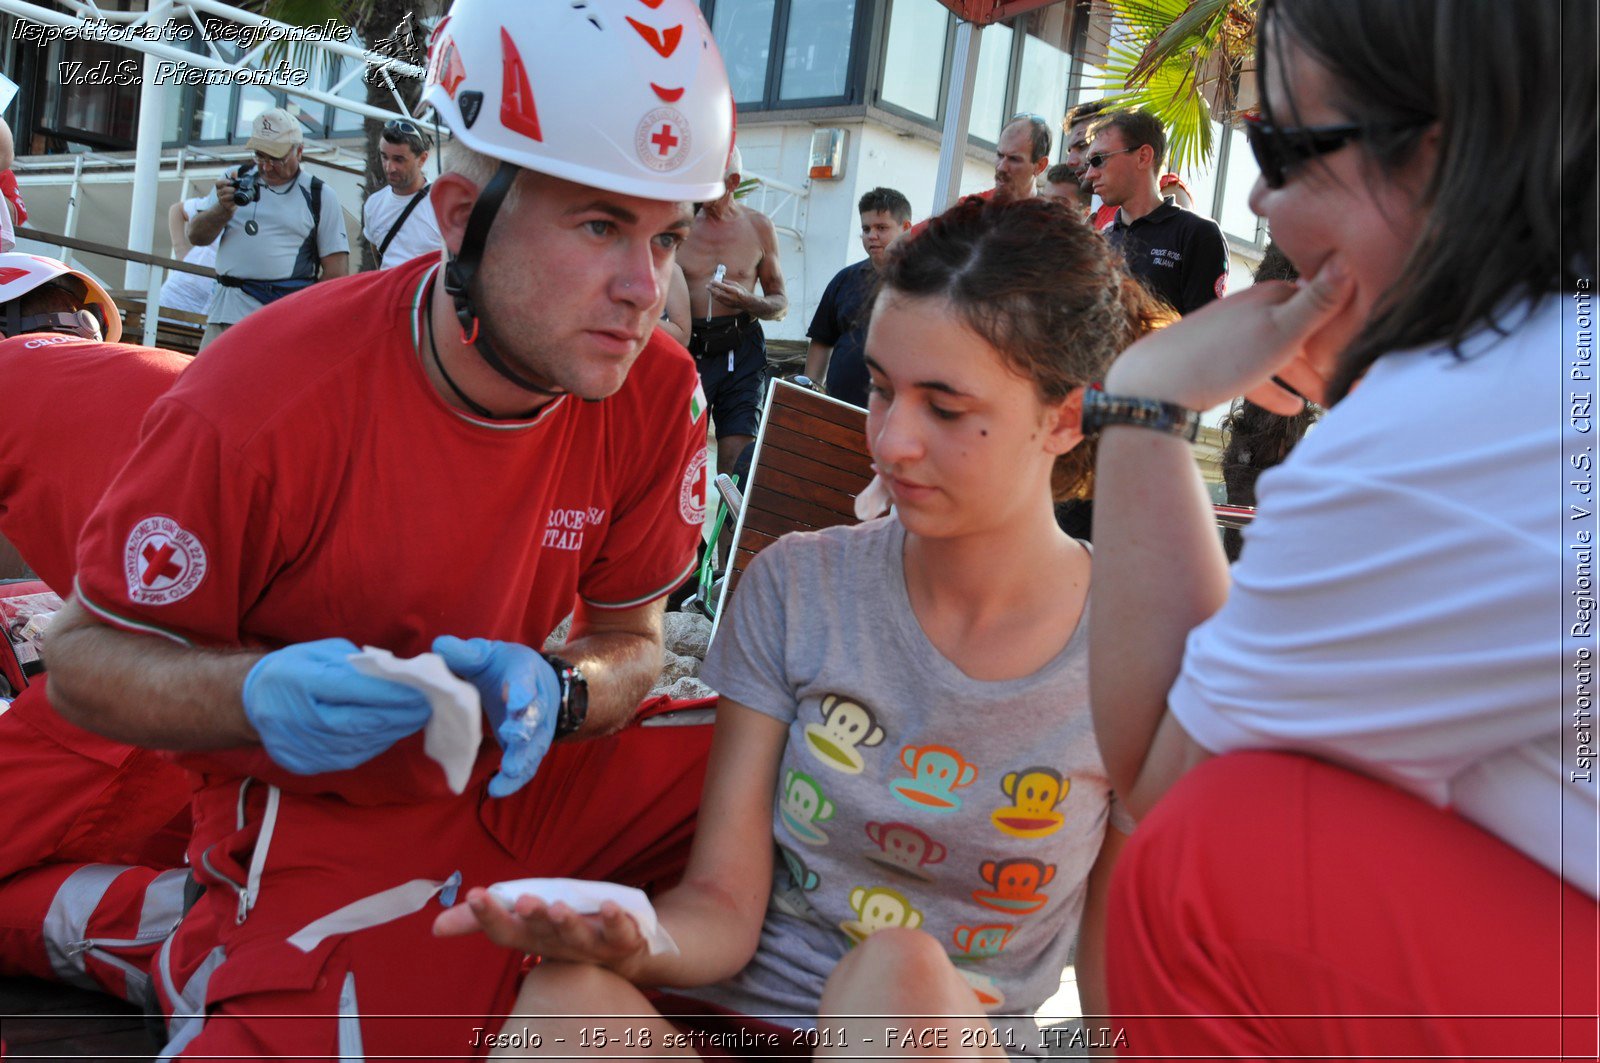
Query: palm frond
{"type": "Point", "coordinates": [1182, 60]}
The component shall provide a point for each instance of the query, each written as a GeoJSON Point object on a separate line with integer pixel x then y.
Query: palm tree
{"type": "Point", "coordinates": [1189, 61]}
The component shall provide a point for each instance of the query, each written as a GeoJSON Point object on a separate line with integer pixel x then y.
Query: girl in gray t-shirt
{"type": "Point", "coordinates": [905, 812]}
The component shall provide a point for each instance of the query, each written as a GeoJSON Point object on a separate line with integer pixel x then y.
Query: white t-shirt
{"type": "Point", "coordinates": [418, 236]}
{"type": "Point", "coordinates": [189, 291]}
{"type": "Point", "coordinates": [1398, 604]}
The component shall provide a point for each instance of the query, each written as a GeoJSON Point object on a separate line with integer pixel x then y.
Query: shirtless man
{"type": "Point", "coordinates": [730, 248]}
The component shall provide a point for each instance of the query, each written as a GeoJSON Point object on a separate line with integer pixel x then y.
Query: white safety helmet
{"type": "Point", "coordinates": [623, 95]}
{"type": "Point", "coordinates": [21, 274]}
{"type": "Point", "coordinates": [628, 96]}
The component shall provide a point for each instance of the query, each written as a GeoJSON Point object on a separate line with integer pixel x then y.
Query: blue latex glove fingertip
{"type": "Point", "coordinates": [461, 655]}
{"type": "Point", "coordinates": [503, 785]}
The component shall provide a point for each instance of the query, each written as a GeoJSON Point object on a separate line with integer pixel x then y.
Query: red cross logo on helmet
{"type": "Point", "coordinates": [662, 139]}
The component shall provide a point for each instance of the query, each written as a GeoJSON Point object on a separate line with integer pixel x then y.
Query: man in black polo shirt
{"type": "Point", "coordinates": [839, 327]}
{"type": "Point", "coordinates": [1177, 254]}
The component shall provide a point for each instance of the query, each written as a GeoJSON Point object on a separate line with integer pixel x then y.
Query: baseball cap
{"type": "Point", "coordinates": [274, 132]}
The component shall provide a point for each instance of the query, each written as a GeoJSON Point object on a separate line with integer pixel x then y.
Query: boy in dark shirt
{"type": "Point", "coordinates": [839, 327]}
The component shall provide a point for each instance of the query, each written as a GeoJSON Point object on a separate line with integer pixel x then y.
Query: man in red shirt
{"type": "Point", "coordinates": [75, 803]}
{"type": "Point", "coordinates": [443, 455]}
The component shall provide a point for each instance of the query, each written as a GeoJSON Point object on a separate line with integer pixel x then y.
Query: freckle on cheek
{"type": "Point", "coordinates": [983, 432]}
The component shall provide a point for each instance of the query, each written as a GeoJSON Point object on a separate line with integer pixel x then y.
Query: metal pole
{"type": "Point", "coordinates": [147, 181]}
{"type": "Point", "coordinates": [70, 227]}
{"type": "Point", "coordinates": [957, 114]}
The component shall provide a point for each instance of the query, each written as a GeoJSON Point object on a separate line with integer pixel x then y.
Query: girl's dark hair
{"type": "Point", "coordinates": [1041, 288]}
{"type": "Point", "coordinates": [1512, 89]}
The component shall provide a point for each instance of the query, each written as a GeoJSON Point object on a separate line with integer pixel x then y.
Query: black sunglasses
{"type": "Point", "coordinates": [1278, 149]}
{"type": "Point", "coordinates": [1098, 159]}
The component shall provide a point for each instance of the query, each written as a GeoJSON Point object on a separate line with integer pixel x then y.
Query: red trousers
{"type": "Point", "coordinates": [313, 939]}
{"type": "Point", "coordinates": [1273, 906]}
{"type": "Point", "coordinates": [72, 796]}
{"type": "Point", "coordinates": [78, 810]}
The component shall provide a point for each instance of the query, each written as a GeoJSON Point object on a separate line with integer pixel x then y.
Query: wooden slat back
{"type": "Point", "coordinates": [176, 330]}
{"type": "Point", "coordinates": [811, 461]}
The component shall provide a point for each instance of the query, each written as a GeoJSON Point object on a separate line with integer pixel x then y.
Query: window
{"type": "Point", "coordinates": [348, 122]}
{"type": "Point", "coordinates": [1237, 218]}
{"type": "Point", "coordinates": [919, 31]}
{"type": "Point", "coordinates": [92, 94]}
{"type": "Point", "coordinates": [1202, 180]}
{"type": "Point", "coordinates": [1042, 78]}
{"type": "Point", "coordinates": [1025, 65]}
{"type": "Point", "coordinates": [989, 110]}
{"type": "Point", "coordinates": [743, 29]}
{"type": "Point", "coordinates": [816, 54]}
{"type": "Point", "coordinates": [787, 52]}
{"type": "Point", "coordinates": [208, 121]}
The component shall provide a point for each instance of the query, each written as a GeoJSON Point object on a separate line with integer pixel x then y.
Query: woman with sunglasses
{"type": "Point", "coordinates": [904, 811]}
{"type": "Point", "coordinates": [1367, 807]}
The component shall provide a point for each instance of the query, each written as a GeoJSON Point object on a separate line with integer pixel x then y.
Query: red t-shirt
{"type": "Point", "coordinates": [8, 188]}
{"type": "Point", "coordinates": [70, 418]}
{"type": "Point", "coordinates": [304, 481]}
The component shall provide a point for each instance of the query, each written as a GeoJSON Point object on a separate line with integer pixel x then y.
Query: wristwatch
{"type": "Point", "coordinates": [1101, 410]}
{"type": "Point", "coordinates": [574, 695]}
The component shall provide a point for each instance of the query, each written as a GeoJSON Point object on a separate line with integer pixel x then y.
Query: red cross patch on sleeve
{"type": "Point", "coordinates": [163, 562]}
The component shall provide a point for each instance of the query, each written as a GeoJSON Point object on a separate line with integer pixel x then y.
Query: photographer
{"type": "Point", "coordinates": [273, 241]}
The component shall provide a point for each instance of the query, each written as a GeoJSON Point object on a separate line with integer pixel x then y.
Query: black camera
{"type": "Point", "coordinates": [246, 185]}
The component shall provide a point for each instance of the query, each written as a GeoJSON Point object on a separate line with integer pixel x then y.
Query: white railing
{"type": "Point", "coordinates": [132, 27]}
{"type": "Point", "coordinates": [783, 203]}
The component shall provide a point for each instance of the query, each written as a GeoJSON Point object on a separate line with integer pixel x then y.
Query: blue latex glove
{"type": "Point", "coordinates": [316, 713]}
{"type": "Point", "coordinates": [520, 693]}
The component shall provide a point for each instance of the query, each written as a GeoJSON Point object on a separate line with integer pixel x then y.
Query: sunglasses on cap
{"type": "Point", "coordinates": [1278, 149]}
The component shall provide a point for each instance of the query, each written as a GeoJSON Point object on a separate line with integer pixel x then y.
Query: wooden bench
{"type": "Point", "coordinates": [810, 462]}
{"type": "Point", "coordinates": [176, 330]}
{"type": "Point", "coordinates": [39, 1019]}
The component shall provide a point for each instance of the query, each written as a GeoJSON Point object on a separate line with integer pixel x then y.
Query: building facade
{"type": "Point", "coordinates": [877, 71]}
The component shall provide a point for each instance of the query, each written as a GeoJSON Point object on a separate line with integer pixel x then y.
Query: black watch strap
{"type": "Point", "coordinates": [574, 695]}
{"type": "Point", "coordinates": [1101, 410]}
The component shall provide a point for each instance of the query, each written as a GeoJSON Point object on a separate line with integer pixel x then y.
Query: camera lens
{"type": "Point", "coordinates": [244, 190]}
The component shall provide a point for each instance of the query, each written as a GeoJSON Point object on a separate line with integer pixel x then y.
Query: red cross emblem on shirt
{"type": "Point", "coordinates": [159, 563]}
{"type": "Point", "coordinates": [663, 139]}
{"type": "Point", "coordinates": [163, 562]}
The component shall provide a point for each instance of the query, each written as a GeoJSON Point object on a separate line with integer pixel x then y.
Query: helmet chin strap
{"type": "Point", "coordinates": [67, 324]}
{"type": "Point", "coordinates": [462, 269]}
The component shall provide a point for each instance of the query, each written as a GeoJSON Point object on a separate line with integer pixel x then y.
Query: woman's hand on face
{"type": "Point", "coordinates": [1236, 345]}
{"type": "Point", "coordinates": [608, 939]}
